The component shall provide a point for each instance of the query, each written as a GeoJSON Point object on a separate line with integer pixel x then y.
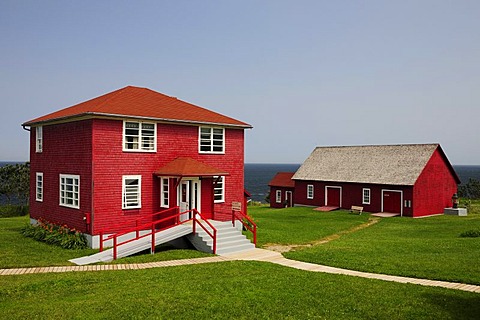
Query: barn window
{"type": "Point", "coordinates": [310, 191]}
{"type": "Point", "coordinates": [278, 196]}
{"type": "Point", "coordinates": [39, 187]}
{"type": "Point", "coordinates": [132, 191]}
{"type": "Point", "coordinates": [39, 139]}
{"type": "Point", "coordinates": [139, 136]}
{"type": "Point", "coordinates": [219, 189]}
{"type": "Point", "coordinates": [366, 196]}
{"type": "Point", "coordinates": [70, 191]}
{"type": "Point", "coordinates": [212, 140]}
{"type": "Point", "coordinates": [408, 203]}
{"type": "Point", "coordinates": [165, 193]}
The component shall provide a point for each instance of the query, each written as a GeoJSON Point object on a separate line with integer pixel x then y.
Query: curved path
{"type": "Point", "coordinates": [255, 255]}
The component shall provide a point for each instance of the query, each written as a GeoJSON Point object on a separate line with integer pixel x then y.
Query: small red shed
{"type": "Point", "coordinates": [102, 165]}
{"type": "Point", "coordinates": [411, 180]}
{"type": "Point", "coordinates": [281, 190]}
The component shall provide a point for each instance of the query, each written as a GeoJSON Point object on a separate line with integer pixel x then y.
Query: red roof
{"type": "Point", "coordinates": [283, 179]}
{"type": "Point", "coordinates": [140, 103]}
{"type": "Point", "coordinates": [188, 167]}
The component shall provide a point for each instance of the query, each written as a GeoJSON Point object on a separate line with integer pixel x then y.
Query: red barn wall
{"type": "Point", "coordinates": [67, 149]}
{"type": "Point", "coordinates": [434, 188]}
{"type": "Point", "coordinates": [273, 196]}
{"type": "Point", "coordinates": [352, 195]}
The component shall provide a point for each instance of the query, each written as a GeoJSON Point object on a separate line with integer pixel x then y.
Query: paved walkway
{"type": "Point", "coordinates": [255, 255]}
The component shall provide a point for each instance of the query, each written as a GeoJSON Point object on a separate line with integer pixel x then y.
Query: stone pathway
{"type": "Point", "coordinates": [252, 255]}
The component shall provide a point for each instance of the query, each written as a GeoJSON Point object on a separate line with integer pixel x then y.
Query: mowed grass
{"type": "Point", "coordinates": [299, 225]}
{"type": "Point", "coordinates": [227, 290]}
{"type": "Point", "coordinates": [428, 248]}
{"type": "Point", "coordinates": [17, 251]}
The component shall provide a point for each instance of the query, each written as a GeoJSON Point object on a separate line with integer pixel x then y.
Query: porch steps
{"type": "Point", "coordinates": [136, 246]}
{"type": "Point", "coordinates": [229, 239]}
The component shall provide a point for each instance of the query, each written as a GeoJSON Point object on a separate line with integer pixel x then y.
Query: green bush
{"type": "Point", "coordinates": [10, 210]}
{"type": "Point", "coordinates": [471, 234]}
{"type": "Point", "coordinates": [62, 236]}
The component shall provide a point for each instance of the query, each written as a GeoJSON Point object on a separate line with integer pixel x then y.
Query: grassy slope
{"type": "Point", "coordinates": [239, 290]}
{"type": "Point", "coordinates": [425, 248]}
{"type": "Point", "coordinates": [299, 225]}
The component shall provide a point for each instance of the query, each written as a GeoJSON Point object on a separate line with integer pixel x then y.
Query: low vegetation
{"type": "Point", "coordinates": [244, 290]}
{"type": "Point", "coordinates": [424, 248]}
{"type": "Point", "coordinates": [227, 290]}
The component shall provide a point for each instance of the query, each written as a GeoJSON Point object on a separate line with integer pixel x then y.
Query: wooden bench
{"type": "Point", "coordinates": [356, 209]}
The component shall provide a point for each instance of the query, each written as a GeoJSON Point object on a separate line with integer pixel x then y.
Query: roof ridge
{"type": "Point", "coordinates": [383, 145]}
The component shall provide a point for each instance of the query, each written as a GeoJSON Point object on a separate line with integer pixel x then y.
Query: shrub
{"type": "Point", "coordinates": [63, 236]}
{"type": "Point", "coordinates": [10, 210]}
{"type": "Point", "coordinates": [471, 234]}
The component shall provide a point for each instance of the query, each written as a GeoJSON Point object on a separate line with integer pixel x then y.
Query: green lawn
{"type": "Point", "coordinates": [228, 290]}
{"type": "Point", "coordinates": [425, 248]}
{"type": "Point", "coordinates": [299, 225]}
{"type": "Point", "coordinates": [238, 290]}
{"type": "Point", "coordinates": [19, 251]}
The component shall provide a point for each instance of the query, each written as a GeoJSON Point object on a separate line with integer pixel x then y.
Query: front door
{"type": "Point", "coordinates": [288, 197]}
{"type": "Point", "coordinates": [333, 197]}
{"type": "Point", "coordinates": [392, 201]}
{"type": "Point", "coordinates": [189, 197]}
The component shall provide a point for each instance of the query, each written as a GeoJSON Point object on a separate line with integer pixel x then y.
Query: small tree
{"type": "Point", "coordinates": [471, 190]}
{"type": "Point", "coordinates": [15, 182]}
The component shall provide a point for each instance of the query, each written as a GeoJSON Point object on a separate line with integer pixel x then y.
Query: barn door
{"type": "Point", "coordinates": [333, 196]}
{"type": "Point", "coordinates": [392, 201]}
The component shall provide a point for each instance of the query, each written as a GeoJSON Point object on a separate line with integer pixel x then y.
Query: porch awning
{"type": "Point", "coordinates": [188, 167]}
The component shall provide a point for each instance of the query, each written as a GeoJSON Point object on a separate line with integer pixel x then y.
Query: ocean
{"type": "Point", "coordinates": [258, 175]}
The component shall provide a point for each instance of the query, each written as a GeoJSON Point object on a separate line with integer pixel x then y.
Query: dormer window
{"type": "Point", "coordinates": [139, 136]}
{"type": "Point", "coordinates": [212, 140]}
{"type": "Point", "coordinates": [39, 139]}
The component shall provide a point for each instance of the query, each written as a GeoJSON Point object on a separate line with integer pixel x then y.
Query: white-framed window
{"type": "Point", "coordinates": [211, 140]}
{"type": "Point", "coordinates": [366, 196]}
{"type": "Point", "coordinates": [408, 203]}
{"type": "Point", "coordinates": [132, 192]}
{"type": "Point", "coordinates": [278, 196]}
{"type": "Point", "coordinates": [219, 189]}
{"type": "Point", "coordinates": [39, 139]}
{"type": "Point", "coordinates": [70, 191]}
{"type": "Point", "coordinates": [310, 191]}
{"type": "Point", "coordinates": [39, 187]}
{"type": "Point", "coordinates": [164, 196]}
{"type": "Point", "coordinates": [139, 136]}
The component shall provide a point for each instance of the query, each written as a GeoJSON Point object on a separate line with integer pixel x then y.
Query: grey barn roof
{"type": "Point", "coordinates": [375, 164]}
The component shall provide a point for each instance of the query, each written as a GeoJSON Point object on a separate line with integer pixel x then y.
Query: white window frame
{"type": "Point", "coordinates": [366, 198]}
{"type": "Point", "coordinates": [219, 192]}
{"type": "Point", "coordinates": [64, 199]}
{"type": "Point", "coordinates": [39, 139]}
{"type": "Point", "coordinates": [141, 136]}
{"type": "Point", "coordinates": [164, 192]}
{"type": "Point", "coordinates": [126, 192]}
{"type": "Point", "coordinates": [310, 191]}
{"type": "Point", "coordinates": [204, 142]}
{"type": "Point", "coordinates": [278, 196]}
{"type": "Point", "coordinates": [39, 187]}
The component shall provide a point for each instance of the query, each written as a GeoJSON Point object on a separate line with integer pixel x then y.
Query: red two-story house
{"type": "Point", "coordinates": [103, 164]}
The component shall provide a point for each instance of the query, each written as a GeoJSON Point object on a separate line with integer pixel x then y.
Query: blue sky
{"type": "Point", "coordinates": [303, 73]}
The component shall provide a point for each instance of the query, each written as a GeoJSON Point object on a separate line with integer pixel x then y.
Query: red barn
{"type": "Point", "coordinates": [104, 164]}
{"type": "Point", "coordinates": [411, 180]}
{"type": "Point", "coordinates": [281, 190]}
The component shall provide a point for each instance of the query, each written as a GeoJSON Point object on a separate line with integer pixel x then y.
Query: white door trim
{"type": "Point", "coordinates": [401, 199]}
{"type": "Point", "coordinates": [326, 194]}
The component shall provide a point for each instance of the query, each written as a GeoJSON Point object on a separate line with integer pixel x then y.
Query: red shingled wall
{"type": "Point", "coordinates": [434, 188]}
{"type": "Point", "coordinates": [66, 150]}
{"type": "Point", "coordinates": [94, 147]}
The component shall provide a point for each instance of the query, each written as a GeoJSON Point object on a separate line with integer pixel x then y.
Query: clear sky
{"type": "Point", "coordinates": [303, 73]}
